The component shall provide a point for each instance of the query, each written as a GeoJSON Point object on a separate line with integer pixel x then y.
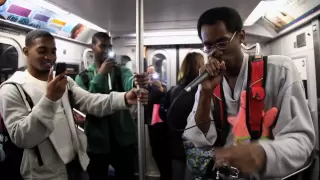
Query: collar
{"type": "Point", "coordinates": [241, 82]}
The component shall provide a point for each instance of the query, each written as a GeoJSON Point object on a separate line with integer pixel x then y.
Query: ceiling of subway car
{"type": "Point", "coordinates": [119, 16]}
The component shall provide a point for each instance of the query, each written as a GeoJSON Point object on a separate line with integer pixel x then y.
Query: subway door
{"type": "Point", "coordinates": [162, 58]}
{"type": "Point", "coordinates": [11, 58]}
{"type": "Point", "coordinates": [164, 61]}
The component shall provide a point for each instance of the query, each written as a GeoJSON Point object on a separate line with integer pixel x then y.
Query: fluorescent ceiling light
{"type": "Point", "coordinates": [259, 11]}
{"type": "Point", "coordinates": [167, 33]}
{"type": "Point", "coordinates": [49, 6]}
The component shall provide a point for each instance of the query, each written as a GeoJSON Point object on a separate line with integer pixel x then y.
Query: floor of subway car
{"type": "Point", "coordinates": [151, 175]}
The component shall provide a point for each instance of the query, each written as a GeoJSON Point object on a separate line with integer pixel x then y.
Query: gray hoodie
{"type": "Point", "coordinates": [294, 135]}
{"type": "Point", "coordinates": [28, 130]}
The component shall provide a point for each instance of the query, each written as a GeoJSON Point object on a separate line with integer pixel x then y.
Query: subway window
{"type": "Point", "coordinates": [160, 64]}
{"type": "Point", "coordinates": [8, 61]}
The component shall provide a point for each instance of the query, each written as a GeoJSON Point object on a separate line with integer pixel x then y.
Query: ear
{"type": "Point", "coordinates": [242, 36]}
{"type": "Point", "coordinates": [25, 51]}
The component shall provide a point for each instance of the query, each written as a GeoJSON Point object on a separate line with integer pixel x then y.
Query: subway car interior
{"type": "Point", "coordinates": [161, 33]}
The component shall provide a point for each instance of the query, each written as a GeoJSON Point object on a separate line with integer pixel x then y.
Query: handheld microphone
{"type": "Point", "coordinates": [199, 79]}
{"type": "Point", "coordinates": [196, 82]}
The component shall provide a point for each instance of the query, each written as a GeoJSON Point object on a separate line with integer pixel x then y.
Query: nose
{"type": "Point", "coordinates": [215, 52]}
{"type": "Point", "coordinates": [50, 56]}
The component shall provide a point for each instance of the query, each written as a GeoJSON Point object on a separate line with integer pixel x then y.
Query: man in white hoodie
{"type": "Point", "coordinates": [48, 127]}
{"type": "Point", "coordinates": [220, 30]}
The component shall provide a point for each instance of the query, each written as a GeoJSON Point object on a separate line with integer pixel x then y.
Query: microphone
{"type": "Point", "coordinates": [196, 82]}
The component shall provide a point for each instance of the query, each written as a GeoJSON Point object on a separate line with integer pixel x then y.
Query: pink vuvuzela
{"type": "Point", "coordinates": [239, 126]}
{"type": "Point", "coordinates": [268, 119]}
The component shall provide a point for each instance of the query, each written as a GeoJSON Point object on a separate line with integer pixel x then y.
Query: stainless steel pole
{"type": "Point", "coordinates": [140, 69]}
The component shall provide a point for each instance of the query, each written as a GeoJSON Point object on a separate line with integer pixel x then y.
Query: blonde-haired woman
{"type": "Point", "coordinates": [181, 109]}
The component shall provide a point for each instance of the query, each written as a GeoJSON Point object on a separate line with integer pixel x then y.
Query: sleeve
{"type": "Point", "coordinates": [164, 105]}
{"type": "Point", "coordinates": [98, 84]}
{"type": "Point", "coordinates": [194, 134]}
{"type": "Point", "coordinates": [80, 83]}
{"type": "Point", "coordinates": [97, 104]}
{"type": "Point", "coordinates": [26, 129]}
{"type": "Point", "coordinates": [294, 136]}
{"type": "Point", "coordinates": [127, 78]}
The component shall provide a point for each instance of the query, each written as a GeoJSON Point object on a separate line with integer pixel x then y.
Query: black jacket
{"type": "Point", "coordinates": [155, 97]}
{"type": "Point", "coordinates": [177, 117]}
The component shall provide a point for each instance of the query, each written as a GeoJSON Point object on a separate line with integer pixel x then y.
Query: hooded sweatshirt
{"type": "Point", "coordinates": [118, 129]}
{"type": "Point", "coordinates": [294, 135]}
{"type": "Point", "coordinates": [50, 125]}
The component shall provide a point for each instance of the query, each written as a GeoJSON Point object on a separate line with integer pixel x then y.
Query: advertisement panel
{"type": "Point", "coordinates": [29, 14]}
{"type": "Point", "coordinates": [288, 12]}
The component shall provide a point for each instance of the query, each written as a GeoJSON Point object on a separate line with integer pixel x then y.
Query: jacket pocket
{"type": "Point", "coordinates": [52, 168]}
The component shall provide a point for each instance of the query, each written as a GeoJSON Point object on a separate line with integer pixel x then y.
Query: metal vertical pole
{"type": "Point", "coordinates": [140, 69]}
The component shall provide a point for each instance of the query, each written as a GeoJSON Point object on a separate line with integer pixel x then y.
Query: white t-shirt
{"type": "Point", "coordinates": [63, 139]}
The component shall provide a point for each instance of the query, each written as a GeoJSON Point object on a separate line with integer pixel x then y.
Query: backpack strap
{"type": "Point", "coordinates": [220, 115]}
{"type": "Point", "coordinates": [26, 96]}
{"type": "Point", "coordinates": [117, 82]}
{"type": "Point", "coordinates": [2, 127]}
{"type": "Point", "coordinates": [255, 86]}
{"type": "Point", "coordinates": [85, 78]}
{"type": "Point", "coordinates": [165, 104]}
{"type": "Point", "coordinates": [255, 95]}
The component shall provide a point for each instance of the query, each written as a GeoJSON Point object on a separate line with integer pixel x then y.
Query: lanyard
{"type": "Point", "coordinates": [109, 80]}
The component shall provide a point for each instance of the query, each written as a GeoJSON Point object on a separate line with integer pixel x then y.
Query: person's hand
{"type": "Point", "coordinates": [106, 67]}
{"type": "Point", "coordinates": [248, 158]}
{"type": "Point", "coordinates": [141, 80]}
{"type": "Point", "coordinates": [56, 86]}
{"type": "Point", "coordinates": [135, 95]}
{"type": "Point", "coordinates": [216, 71]}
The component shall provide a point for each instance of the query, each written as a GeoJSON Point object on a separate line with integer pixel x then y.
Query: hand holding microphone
{"type": "Point", "coordinates": [210, 75]}
{"type": "Point", "coordinates": [215, 70]}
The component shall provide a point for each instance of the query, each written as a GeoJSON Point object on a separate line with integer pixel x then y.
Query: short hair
{"type": "Point", "coordinates": [34, 34]}
{"type": "Point", "coordinates": [125, 58]}
{"type": "Point", "coordinates": [100, 35]}
{"type": "Point", "coordinates": [230, 17]}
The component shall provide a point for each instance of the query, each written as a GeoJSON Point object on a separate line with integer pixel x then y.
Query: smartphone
{"type": "Point", "coordinates": [155, 76]}
{"type": "Point", "coordinates": [109, 56]}
{"type": "Point", "coordinates": [60, 68]}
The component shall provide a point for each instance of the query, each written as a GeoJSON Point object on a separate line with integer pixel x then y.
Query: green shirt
{"type": "Point", "coordinates": [123, 129]}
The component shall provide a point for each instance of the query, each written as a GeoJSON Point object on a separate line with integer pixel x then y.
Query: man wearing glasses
{"type": "Point", "coordinates": [220, 30]}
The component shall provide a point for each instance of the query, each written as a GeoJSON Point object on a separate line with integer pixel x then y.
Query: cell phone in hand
{"type": "Point", "coordinates": [61, 68]}
{"type": "Point", "coordinates": [109, 56]}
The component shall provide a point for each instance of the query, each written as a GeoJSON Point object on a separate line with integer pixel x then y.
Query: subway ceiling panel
{"type": "Point", "coordinates": [118, 16]}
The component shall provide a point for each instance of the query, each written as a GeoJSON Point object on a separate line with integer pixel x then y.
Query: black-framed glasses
{"type": "Point", "coordinates": [220, 45]}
